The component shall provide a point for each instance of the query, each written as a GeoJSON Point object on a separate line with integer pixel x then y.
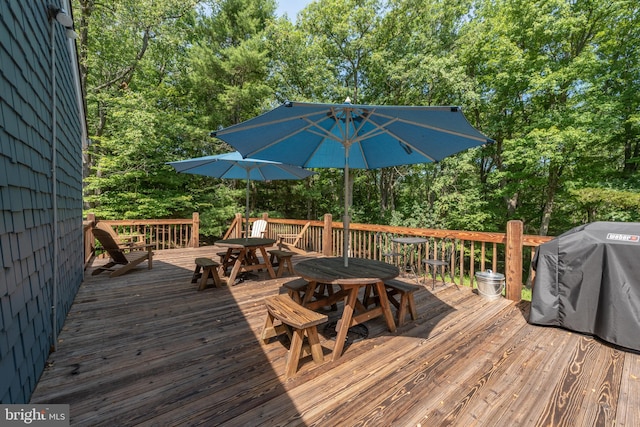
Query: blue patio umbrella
{"type": "Point", "coordinates": [353, 136]}
{"type": "Point", "coordinates": [235, 166]}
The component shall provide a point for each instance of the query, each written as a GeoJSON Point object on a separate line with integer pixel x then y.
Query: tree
{"type": "Point", "coordinates": [553, 82]}
{"type": "Point", "coordinates": [229, 61]}
{"type": "Point", "coordinates": [133, 63]}
{"type": "Point", "coordinates": [530, 60]}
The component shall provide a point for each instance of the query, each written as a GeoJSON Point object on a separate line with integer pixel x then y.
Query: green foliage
{"type": "Point", "coordinates": [608, 204]}
{"type": "Point", "coordinates": [554, 83]}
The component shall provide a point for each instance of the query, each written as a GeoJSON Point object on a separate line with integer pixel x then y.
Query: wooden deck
{"type": "Point", "coordinates": [147, 348]}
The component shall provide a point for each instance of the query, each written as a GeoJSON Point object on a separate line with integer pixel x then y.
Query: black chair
{"type": "Point", "coordinates": [442, 258]}
{"type": "Point", "coordinates": [387, 248]}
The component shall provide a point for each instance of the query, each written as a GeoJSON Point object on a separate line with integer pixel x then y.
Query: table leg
{"type": "Point", "coordinates": [345, 322]}
{"type": "Point", "coordinates": [237, 265]}
{"type": "Point", "coordinates": [251, 258]}
{"type": "Point", "coordinates": [308, 294]}
{"type": "Point", "coordinates": [386, 308]}
{"type": "Point", "coordinates": [267, 262]}
{"type": "Point", "coordinates": [227, 260]}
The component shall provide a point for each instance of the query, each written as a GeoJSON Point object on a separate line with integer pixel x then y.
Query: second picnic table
{"type": "Point", "coordinates": [242, 253]}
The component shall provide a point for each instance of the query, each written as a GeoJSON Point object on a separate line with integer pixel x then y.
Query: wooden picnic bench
{"type": "Point", "coordinates": [283, 260]}
{"type": "Point", "coordinates": [209, 269]}
{"type": "Point", "coordinates": [297, 322]}
{"type": "Point", "coordinates": [406, 304]}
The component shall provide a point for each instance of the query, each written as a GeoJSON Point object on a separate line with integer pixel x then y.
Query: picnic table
{"type": "Point", "coordinates": [360, 273]}
{"type": "Point", "coordinates": [242, 255]}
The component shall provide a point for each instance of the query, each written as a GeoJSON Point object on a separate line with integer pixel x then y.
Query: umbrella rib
{"type": "Point", "coordinates": [435, 128]}
{"type": "Point", "coordinates": [336, 120]}
{"type": "Point", "coordinates": [188, 168]}
{"type": "Point", "coordinates": [261, 173]}
{"type": "Point", "coordinates": [379, 130]}
{"type": "Point", "coordinates": [402, 141]}
{"type": "Point", "coordinates": [405, 142]}
{"type": "Point", "coordinates": [313, 126]}
{"type": "Point", "coordinates": [275, 142]}
{"type": "Point", "coordinates": [229, 167]}
{"type": "Point", "coordinates": [244, 128]}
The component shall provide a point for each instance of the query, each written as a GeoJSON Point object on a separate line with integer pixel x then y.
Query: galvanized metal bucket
{"type": "Point", "coordinates": [490, 284]}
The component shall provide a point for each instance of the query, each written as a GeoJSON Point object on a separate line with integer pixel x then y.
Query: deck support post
{"type": "Point", "coordinates": [239, 223]}
{"type": "Point", "coordinates": [195, 231]}
{"type": "Point", "coordinates": [513, 260]}
{"type": "Point", "coordinates": [327, 233]}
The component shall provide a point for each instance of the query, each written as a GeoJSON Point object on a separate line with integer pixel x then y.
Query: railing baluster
{"type": "Point", "coordinates": [494, 264]}
{"type": "Point", "coordinates": [472, 260]}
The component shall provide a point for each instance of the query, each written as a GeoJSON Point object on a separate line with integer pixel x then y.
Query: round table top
{"type": "Point", "coordinates": [332, 270]}
{"type": "Point", "coordinates": [246, 243]}
{"type": "Point", "coordinates": [409, 240]}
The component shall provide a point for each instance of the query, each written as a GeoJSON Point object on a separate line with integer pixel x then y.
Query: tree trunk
{"type": "Point", "coordinates": [552, 187]}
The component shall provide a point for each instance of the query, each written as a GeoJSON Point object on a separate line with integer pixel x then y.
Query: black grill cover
{"type": "Point", "coordinates": [588, 281]}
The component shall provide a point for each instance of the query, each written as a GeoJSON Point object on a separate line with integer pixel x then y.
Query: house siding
{"type": "Point", "coordinates": [26, 192]}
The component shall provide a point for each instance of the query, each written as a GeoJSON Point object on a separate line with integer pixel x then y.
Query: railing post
{"type": "Point", "coordinates": [239, 224]}
{"type": "Point", "coordinates": [195, 230]}
{"type": "Point", "coordinates": [513, 261]}
{"type": "Point", "coordinates": [89, 241]}
{"type": "Point", "coordinates": [327, 236]}
{"type": "Point", "coordinates": [267, 232]}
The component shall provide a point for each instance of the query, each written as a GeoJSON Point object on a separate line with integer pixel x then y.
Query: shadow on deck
{"type": "Point", "coordinates": [147, 348]}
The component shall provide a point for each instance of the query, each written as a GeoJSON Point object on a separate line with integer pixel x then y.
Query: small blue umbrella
{"type": "Point", "coordinates": [353, 136]}
{"type": "Point", "coordinates": [234, 166]}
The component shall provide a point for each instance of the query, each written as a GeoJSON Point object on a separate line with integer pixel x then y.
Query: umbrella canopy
{"type": "Point", "coordinates": [353, 136]}
{"type": "Point", "coordinates": [235, 166]}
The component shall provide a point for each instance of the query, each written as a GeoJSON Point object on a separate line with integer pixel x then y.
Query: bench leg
{"type": "Point", "coordinates": [196, 274]}
{"type": "Point", "coordinates": [213, 272]}
{"type": "Point", "coordinates": [289, 265]}
{"type": "Point", "coordinates": [284, 262]}
{"type": "Point", "coordinates": [314, 343]}
{"type": "Point", "coordinates": [402, 310]}
{"type": "Point", "coordinates": [411, 303]}
{"type": "Point", "coordinates": [203, 279]}
{"type": "Point", "coordinates": [268, 331]}
{"type": "Point", "coordinates": [209, 272]}
{"type": "Point", "coordinates": [407, 303]}
{"type": "Point", "coordinates": [295, 295]}
{"type": "Point", "coordinates": [295, 351]}
{"type": "Point", "coordinates": [280, 269]}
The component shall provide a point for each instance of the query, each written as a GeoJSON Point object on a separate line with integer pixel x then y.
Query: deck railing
{"type": "Point", "coordinates": [163, 233]}
{"type": "Point", "coordinates": [508, 253]}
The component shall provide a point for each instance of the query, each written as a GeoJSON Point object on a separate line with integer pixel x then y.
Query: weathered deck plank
{"type": "Point", "coordinates": [400, 378]}
{"type": "Point", "coordinates": [629, 414]}
{"type": "Point", "coordinates": [148, 348]}
{"type": "Point", "coordinates": [514, 391]}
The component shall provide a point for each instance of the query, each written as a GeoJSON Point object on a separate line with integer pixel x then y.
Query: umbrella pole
{"type": "Point", "coordinates": [246, 209]}
{"type": "Point", "coordinates": [346, 219]}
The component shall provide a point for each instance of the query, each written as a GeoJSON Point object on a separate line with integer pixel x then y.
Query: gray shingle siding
{"type": "Point", "coordinates": [26, 204]}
